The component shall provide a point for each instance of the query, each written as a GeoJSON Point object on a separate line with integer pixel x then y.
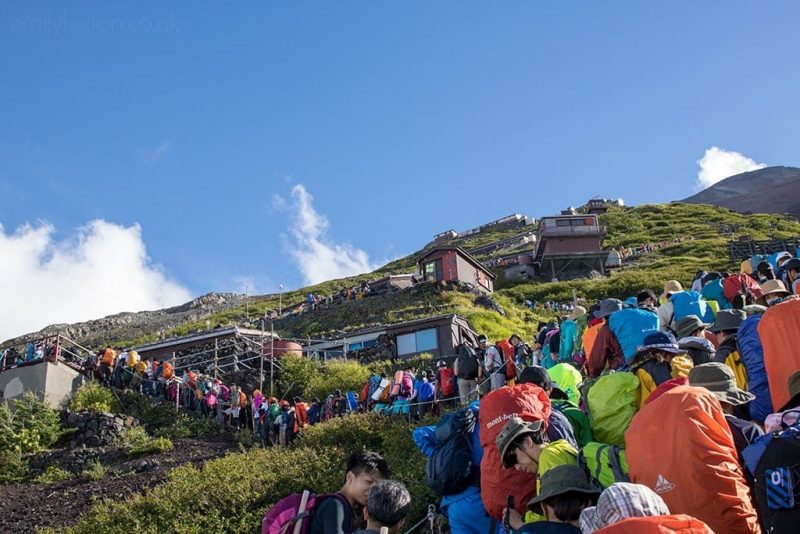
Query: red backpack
{"type": "Point", "coordinates": [292, 514]}
{"type": "Point", "coordinates": [506, 350]}
{"type": "Point", "coordinates": [447, 379]}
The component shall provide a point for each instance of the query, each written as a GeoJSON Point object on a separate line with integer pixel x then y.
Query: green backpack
{"type": "Point", "coordinates": [603, 464]}
{"type": "Point", "coordinates": [577, 418]}
{"type": "Point", "coordinates": [612, 402]}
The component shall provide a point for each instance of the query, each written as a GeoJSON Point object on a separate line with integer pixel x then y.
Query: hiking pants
{"type": "Point", "coordinates": [498, 380]}
{"type": "Point", "coordinates": [466, 391]}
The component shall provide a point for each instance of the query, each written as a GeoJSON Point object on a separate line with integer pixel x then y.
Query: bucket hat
{"type": "Point", "coordinates": [576, 312]}
{"type": "Point", "coordinates": [718, 378]}
{"type": "Point", "coordinates": [608, 306]}
{"type": "Point", "coordinates": [672, 286]}
{"type": "Point", "coordinates": [658, 340]}
{"type": "Point", "coordinates": [514, 429]}
{"type": "Point", "coordinates": [563, 479]}
{"type": "Point", "coordinates": [772, 287]}
{"type": "Point", "coordinates": [727, 320]}
{"type": "Point", "coordinates": [687, 325]}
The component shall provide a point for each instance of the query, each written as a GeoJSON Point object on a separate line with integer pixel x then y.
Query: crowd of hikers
{"type": "Point", "coordinates": [670, 411]}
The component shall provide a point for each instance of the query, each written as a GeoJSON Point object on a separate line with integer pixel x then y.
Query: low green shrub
{"type": "Point", "coordinates": [94, 397]}
{"type": "Point", "coordinates": [152, 446]}
{"type": "Point", "coordinates": [94, 471]}
{"type": "Point", "coordinates": [12, 467]}
{"type": "Point", "coordinates": [188, 426]}
{"type": "Point", "coordinates": [337, 374]}
{"type": "Point", "coordinates": [32, 426]}
{"type": "Point", "coordinates": [53, 474]}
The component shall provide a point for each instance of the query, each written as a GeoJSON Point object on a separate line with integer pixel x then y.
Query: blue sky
{"type": "Point", "coordinates": [401, 119]}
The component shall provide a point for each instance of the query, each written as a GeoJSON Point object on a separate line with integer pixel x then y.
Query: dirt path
{"type": "Point", "coordinates": [28, 507]}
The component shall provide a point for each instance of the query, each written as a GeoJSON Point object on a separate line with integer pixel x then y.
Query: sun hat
{"type": "Point", "coordinates": [563, 479]}
{"type": "Point", "coordinates": [621, 501]}
{"type": "Point", "coordinates": [514, 429]}
{"type": "Point", "coordinates": [727, 320]}
{"type": "Point", "coordinates": [772, 287]}
{"type": "Point", "coordinates": [672, 286]}
{"type": "Point", "coordinates": [576, 312]}
{"type": "Point", "coordinates": [687, 325]}
{"type": "Point", "coordinates": [719, 379]}
{"type": "Point", "coordinates": [607, 307]}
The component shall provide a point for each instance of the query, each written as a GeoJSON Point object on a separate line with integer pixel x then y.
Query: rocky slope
{"type": "Point", "coordinates": [129, 325]}
{"type": "Point", "coordinates": [769, 190]}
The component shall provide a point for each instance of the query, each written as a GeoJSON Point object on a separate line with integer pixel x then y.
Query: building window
{"type": "Point", "coordinates": [433, 269]}
{"type": "Point", "coordinates": [421, 341]}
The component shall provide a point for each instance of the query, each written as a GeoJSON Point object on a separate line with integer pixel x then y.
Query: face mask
{"type": "Point", "coordinates": [773, 302]}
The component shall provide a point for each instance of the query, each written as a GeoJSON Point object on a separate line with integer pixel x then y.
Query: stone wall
{"type": "Point", "coordinates": [96, 429]}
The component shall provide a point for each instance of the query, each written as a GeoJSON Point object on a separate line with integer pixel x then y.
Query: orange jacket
{"type": "Point", "coordinates": [680, 446]}
{"type": "Point", "coordinates": [660, 524]}
{"type": "Point", "coordinates": [108, 356]}
{"type": "Point", "coordinates": [779, 330]}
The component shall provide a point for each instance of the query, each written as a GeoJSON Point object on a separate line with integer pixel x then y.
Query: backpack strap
{"type": "Point", "coordinates": [616, 466]}
{"type": "Point", "coordinates": [599, 458]}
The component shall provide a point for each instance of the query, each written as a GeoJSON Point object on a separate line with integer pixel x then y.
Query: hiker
{"type": "Point", "coordinates": [792, 268]}
{"type": "Point", "coordinates": [726, 328]}
{"type": "Point", "coordinates": [447, 383]}
{"type": "Point", "coordinates": [697, 283]}
{"type": "Point", "coordinates": [666, 311]}
{"type": "Point", "coordinates": [469, 372]}
{"type": "Point", "coordinates": [522, 352]}
{"type": "Point", "coordinates": [525, 447]}
{"type": "Point", "coordinates": [692, 464]}
{"type": "Point", "coordinates": [425, 393]}
{"type": "Point", "coordinates": [283, 426]}
{"type": "Point", "coordinates": [301, 414]}
{"type": "Point", "coordinates": [647, 300]}
{"type": "Point", "coordinates": [493, 363]}
{"type": "Point", "coordinates": [658, 360]}
{"type": "Point", "coordinates": [558, 425]}
{"type": "Point", "coordinates": [693, 339]}
{"type": "Point", "coordinates": [633, 508]}
{"type": "Point", "coordinates": [719, 380]}
{"type": "Point", "coordinates": [774, 292]}
{"type": "Point", "coordinates": [387, 507]}
{"type": "Point", "coordinates": [335, 515]}
{"type": "Point", "coordinates": [606, 350]}
{"type": "Point", "coordinates": [565, 493]}
{"type": "Point", "coordinates": [314, 411]}
{"type": "Point", "coordinates": [106, 363]}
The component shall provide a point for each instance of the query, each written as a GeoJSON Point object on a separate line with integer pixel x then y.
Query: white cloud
{"type": "Point", "coordinates": [718, 164]}
{"type": "Point", "coordinates": [151, 156]}
{"type": "Point", "coordinates": [103, 270]}
{"type": "Point", "coordinates": [317, 258]}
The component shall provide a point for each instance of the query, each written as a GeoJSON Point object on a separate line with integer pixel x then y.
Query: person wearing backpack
{"type": "Point", "coordinates": [387, 507]}
{"type": "Point", "coordinates": [792, 268]}
{"type": "Point", "coordinates": [606, 350]}
{"type": "Point", "coordinates": [446, 384]}
{"type": "Point", "coordinates": [335, 515]}
{"type": "Point", "coordinates": [558, 425]}
{"type": "Point", "coordinates": [719, 380]}
{"type": "Point", "coordinates": [726, 328]}
{"type": "Point", "coordinates": [658, 360]}
{"type": "Point", "coordinates": [468, 371]}
{"type": "Point", "coordinates": [493, 362]}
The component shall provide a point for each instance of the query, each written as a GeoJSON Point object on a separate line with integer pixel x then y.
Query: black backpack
{"type": "Point", "coordinates": [467, 363]}
{"type": "Point", "coordinates": [450, 469]}
{"type": "Point", "coordinates": [772, 460]}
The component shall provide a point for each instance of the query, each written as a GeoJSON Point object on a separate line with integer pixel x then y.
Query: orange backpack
{"type": "Point", "coordinates": [779, 330]}
{"type": "Point", "coordinates": [681, 447]}
{"type": "Point", "coordinates": [660, 524]}
{"type": "Point", "coordinates": [528, 402]}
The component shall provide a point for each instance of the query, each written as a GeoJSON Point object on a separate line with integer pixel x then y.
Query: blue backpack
{"type": "Point", "coordinates": [752, 354]}
{"type": "Point", "coordinates": [450, 468]}
{"type": "Point", "coordinates": [630, 326]}
{"type": "Point", "coordinates": [772, 462]}
{"type": "Point", "coordinates": [425, 392]}
{"type": "Point", "coordinates": [713, 291]}
{"type": "Point", "coordinates": [690, 303]}
{"type": "Point", "coordinates": [569, 333]}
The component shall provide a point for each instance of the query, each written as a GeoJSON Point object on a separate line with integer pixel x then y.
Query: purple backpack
{"type": "Point", "coordinates": [292, 514]}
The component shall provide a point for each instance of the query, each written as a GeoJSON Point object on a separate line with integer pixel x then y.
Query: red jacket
{"type": "Point", "coordinates": [660, 524]}
{"type": "Point", "coordinates": [606, 350]}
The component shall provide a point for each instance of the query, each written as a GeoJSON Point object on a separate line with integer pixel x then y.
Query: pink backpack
{"type": "Point", "coordinates": [292, 514]}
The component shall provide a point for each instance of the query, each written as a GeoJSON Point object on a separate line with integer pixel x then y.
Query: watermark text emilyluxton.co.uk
{"type": "Point", "coordinates": [63, 23]}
